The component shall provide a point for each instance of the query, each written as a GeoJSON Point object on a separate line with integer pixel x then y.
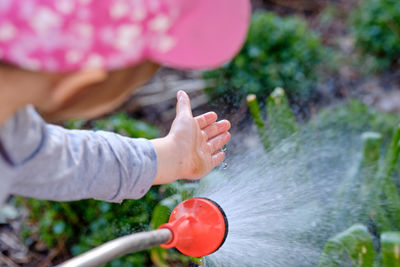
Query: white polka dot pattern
{"type": "Point", "coordinates": [68, 35]}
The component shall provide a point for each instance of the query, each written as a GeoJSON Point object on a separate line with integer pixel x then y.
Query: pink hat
{"type": "Point", "coordinates": [70, 35]}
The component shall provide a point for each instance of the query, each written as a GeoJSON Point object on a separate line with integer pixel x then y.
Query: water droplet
{"type": "Point", "coordinates": [223, 149]}
{"type": "Point", "coordinates": [201, 262]}
{"type": "Point", "coordinates": [224, 165]}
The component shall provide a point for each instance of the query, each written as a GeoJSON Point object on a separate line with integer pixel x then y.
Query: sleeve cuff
{"type": "Point", "coordinates": [141, 170]}
{"type": "Point", "coordinates": [148, 169]}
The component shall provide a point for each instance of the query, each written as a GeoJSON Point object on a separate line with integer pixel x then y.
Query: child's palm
{"type": "Point", "coordinates": [198, 139]}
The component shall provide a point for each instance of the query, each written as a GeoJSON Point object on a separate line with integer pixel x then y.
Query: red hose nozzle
{"type": "Point", "coordinates": [199, 227]}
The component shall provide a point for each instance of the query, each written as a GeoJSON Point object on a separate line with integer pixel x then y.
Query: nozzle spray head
{"type": "Point", "coordinates": [199, 227]}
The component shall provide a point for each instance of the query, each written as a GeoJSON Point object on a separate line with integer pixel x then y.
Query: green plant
{"type": "Point", "coordinates": [390, 245]}
{"type": "Point", "coordinates": [372, 186]}
{"type": "Point", "coordinates": [119, 123]}
{"type": "Point", "coordinates": [280, 118]}
{"type": "Point", "coordinates": [82, 225]}
{"type": "Point", "coordinates": [353, 118]}
{"type": "Point", "coordinates": [258, 120]}
{"type": "Point", "coordinates": [376, 28]}
{"type": "Point", "coordinates": [354, 247]}
{"type": "Point", "coordinates": [122, 124]}
{"type": "Point", "coordinates": [279, 52]}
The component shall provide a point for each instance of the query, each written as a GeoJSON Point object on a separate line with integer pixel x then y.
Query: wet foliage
{"type": "Point", "coordinates": [367, 200]}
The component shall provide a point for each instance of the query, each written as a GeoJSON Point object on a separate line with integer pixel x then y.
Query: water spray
{"type": "Point", "coordinates": [197, 227]}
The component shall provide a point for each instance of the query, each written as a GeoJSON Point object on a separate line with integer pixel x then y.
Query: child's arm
{"type": "Point", "coordinates": [46, 161]}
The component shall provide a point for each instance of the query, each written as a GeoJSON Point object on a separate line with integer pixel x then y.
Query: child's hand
{"type": "Point", "coordinates": [192, 147]}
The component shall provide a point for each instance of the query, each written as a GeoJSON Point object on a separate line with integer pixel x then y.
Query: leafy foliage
{"type": "Point", "coordinates": [374, 189]}
{"type": "Point", "coordinates": [85, 224]}
{"type": "Point", "coordinates": [355, 117]}
{"type": "Point", "coordinates": [119, 123]}
{"type": "Point", "coordinates": [390, 243]}
{"type": "Point", "coordinates": [354, 245]}
{"type": "Point", "coordinates": [122, 124]}
{"type": "Point", "coordinates": [280, 118]}
{"type": "Point", "coordinates": [373, 186]}
{"type": "Point", "coordinates": [279, 52]}
{"type": "Point", "coordinates": [376, 27]}
{"type": "Point", "coordinates": [82, 225]}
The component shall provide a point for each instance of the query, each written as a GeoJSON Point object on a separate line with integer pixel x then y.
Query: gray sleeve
{"type": "Point", "coordinates": [50, 162]}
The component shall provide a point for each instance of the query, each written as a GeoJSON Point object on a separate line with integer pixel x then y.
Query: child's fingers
{"type": "Point", "coordinates": [217, 128]}
{"type": "Point", "coordinates": [183, 105]}
{"type": "Point", "coordinates": [217, 158]}
{"type": "Point", "coordinates": [206, 119]}
{"type": "Point", "coordinates": [219, 141]}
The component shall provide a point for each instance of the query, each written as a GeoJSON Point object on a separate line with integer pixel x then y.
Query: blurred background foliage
{"type": "Point", "coordinates": [376, 28]}
{"type": "Point", "coordinates": [279, 52]}
{"type": "Point", "coordinates": [354, 117]}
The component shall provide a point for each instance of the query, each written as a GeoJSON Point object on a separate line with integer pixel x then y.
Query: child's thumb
{"type": "Point", "coordinates": [183, 105]}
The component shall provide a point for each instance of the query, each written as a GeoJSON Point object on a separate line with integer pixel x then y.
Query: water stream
{"type": "Point", "coordinates": [281, 204]}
